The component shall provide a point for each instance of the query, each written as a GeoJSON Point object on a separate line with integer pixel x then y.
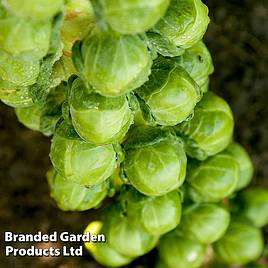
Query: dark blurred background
{"type": "Point", "coordinates": [238, 40]}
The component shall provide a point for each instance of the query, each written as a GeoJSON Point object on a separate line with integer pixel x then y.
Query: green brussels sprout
{"type": "Point", "coordinates": [19, 36]}
{"type": "Point", "coordinates": [241, 243]}
{"type": "Point", "coordinates": [157, 215]}
{"type": "Point", "coordinates": [162, 214]}
{"type": "Point", "coordinates": [39, 10]}
{"type": "Point", "coordinates": [254, 205]}
{"type": "Point", "coordinates": [171, 94]}
{"type": "Point", "coordinates": [79, 161]}
{"type": "Point", "coordinates": [244, 162]}
{"type": "Point", "coordinates": [79, 19]}
{"type": "Point", "coordinates": [198, 63]}
{"type": "Point", "coordinates": [74, 197]}
{"type": "Point", "coordinates": [210, 130]}
{"type": "Point", "coordinates": [205, 222]}
{"type": "Point", "coordinates": [214, 179]}
{"type": "Point", "coordinates": [44, 119]}
{"type": "Point", "coordinates": [30, 117]}
{"type": "Point", "coordinates": [184, 23]}
{"type": "Point", "coordinates": [99, 119]}
{"type": "Point", "coordinates": [128, 16]}
{"type": "Point", "coordinates": [177, 252]}
{"type": "Point", "coordinates": [103, 252]}
{"type": "Point", "coordinates": [155, 161]}
{"type": "Point", "coordinates": [13, 96]}
{"type": "Point", "coordinates": [115, 64]}
{"type": "Point", "coordinates": [20, 71]}
{"type": "Point", "coordinates": [128, 238]}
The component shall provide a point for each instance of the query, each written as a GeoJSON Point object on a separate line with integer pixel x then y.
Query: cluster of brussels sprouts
{"type": "Point", "coordinates": [122, 88]}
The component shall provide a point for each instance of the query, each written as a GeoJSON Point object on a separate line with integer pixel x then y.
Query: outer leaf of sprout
{"type": "Point", "coordinates": [115, 64]}
{"type": "Point", "coordinates": [161, 214]}
{"type": "Point", "coordinates": [176, 251]}
{"type": "Point", "coordinates": [79, 161]}
{"type": "Point", "coordinates": [205, 222]}
{"type": "Point", "coordinates": [20, 36]}
{"type": "Point", "coordinates": [44, 119]}
{"type": "Point", "coordinates": [74, 197]}
{"type": "Point", "coordinates": [210, 130]}
{"type": "Point", "coordinates": [128, 17]}
{"type": "Point", "coordinates": [159, 44]}
{"type": "Point", "coordinates": [99, 119]}
{"type": "Point", "coordinates": [39, 10]}
{"type": "Point", "coordinates": [21, 71]}
{"type": "Point", "coordinates": [245, 164]}
{"type": "Point", "coordinates": [184, 23]}
{"type": "Point", "coordinates": [40, 89]}
{"type": "Point", "coordinates": [241, 243]}
{"type": "Point", "coordinates": [205, 87]}
{"type": "Point", "coordinates": [78, 21]}
{"type": "Point", "coordinates": [13, 96]}
{"type": "Point", "coordinates": [62, 70]}
{"type": "Point", "coordinates": [154, 164]}
{"type": "Point", "coordinates": [213, 179]}
{"type": "Point", "coordinates": [103, 252]}
{"type": "Point", "coordinates": [254, 205]}
{"type": "Point", "coordinates": [198, 63]}
{"type": "Point", "coordinates": [170, 93]}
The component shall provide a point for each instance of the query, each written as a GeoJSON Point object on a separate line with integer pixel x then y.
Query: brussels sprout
{"type": "Point", "coordinates": [241, 243]}
{"type": "Point", "coordinates": [177, 252]}
{"type": "Point", "coordinates": [184, 23]}
{"type": "Point", "coordinates": [78, 21]}
{"type": "Point", "coordinates": [162, 214]}
{"type": "Point", "coordinates": [127, 238]}
{"type": "Point", "coordinates": [79, 161]}
{"type": "Point", "coordinates": [205, 222]}
{"type": "Point", "coordinates": [170, 93]}
{"type": "Point", "coordinates": [20, 36]}
{"type": "Point", "coordinates": [128, 16]}
{"type": "Point", "coordinates": [198, 63]}
{"type": "Point", "coordinates": [20, 71]}
{"type": "Point", "coordinates": [244, 162]}
{"type": "Point", "coordinates": [13, 96]}
{"type": "Point", "coordinates": [210, 130]}
{"type": "Point", "coordinates": [44, 119]}
{"type": "Point", "coordinates": [74, 197]}
{"type": "Point", "coordinates": [157, 215]}
{"type": "Point", "coordinates": [30, 117]}
{"type": "Point", "coordinates": [155, 161]}
{"type": "Point", "coordinates": [254, 205]}
{"type": "Point", "coordinates": [213, 179]}
{"type": "Point", "coordinates": [115, 64]}
{"type": "Point", "coordinates": [103, 252]}
{"type": "Point", "coordinates": [99, 119]}
{"type": "Point", "coordinates": [39, 10]}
